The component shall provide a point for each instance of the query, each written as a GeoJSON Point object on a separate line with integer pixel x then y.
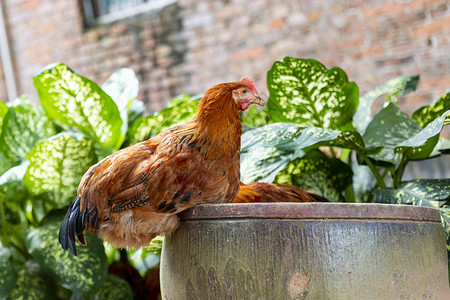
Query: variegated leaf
{"type": "Point", "coordinates": [427, 114]}
{"type": "Point", "coordinates": [267, 150]}
{"type": "Point", "coordinates": [390, 127]}
{"type": "Point", "coordinates": [24, 125]}
{"type": "Point", "coordinates": [8, 274]}
{"type": "Point", "coordinates": [178, 111]}
{"type": "Point", "coordinates": [77, 101]}
{"type": "Point", "coordinates": [33, 283]}
{"type": "Point", "coordinates": [400, 85]}
{"type": "Point", "coordinates": [83, 273]}
{"type": "Point", "coordinates": [327, 177]}
{"type": "Point", "coordinates": [304, 91]}
{"type": "Point", "coordinates": [57, 165]}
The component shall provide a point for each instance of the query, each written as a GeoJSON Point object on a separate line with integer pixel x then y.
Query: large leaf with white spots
{"type": "Point", "coordinates": [422, 144]}
{"type": "Point", "coordinates": [24, 125]}
{"type": "Point", "coordinates": [114, 287]}
{"type": "Point", "coordinates": [427, 114]}
{"type": "Point", "coordinates": [123, 87]}
{"type": "Point", "coordinates": [77, 101]}
{"type": "Point", "coordinates": [389, 129]}
{"type": "Point", "coordinates": [8, 274]}
{"type": "Point", "coordinates": [399, 85]}
{"type": "Point", "coordinates": [179, 110]}
{"type": "Point", "coordinates": [58, 165]}
{"type": "Point", "coordinates": [33, 283]}
{"type": "Point", "coordinates": [83, 273]}
{"type": "Point", "coordinates": [422, 192]}
{"type": "Point", "coordinates": [267, 150]}
{"type": "Point", "coordinates": [327, 177]}
{"type": "Point", "coordinates": [304, 91]}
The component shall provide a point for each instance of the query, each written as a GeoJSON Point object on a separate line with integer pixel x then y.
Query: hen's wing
{"type": "Point", "coordinates": [270, 192]}
{"type": "Point", "coordinates": [131, 195]}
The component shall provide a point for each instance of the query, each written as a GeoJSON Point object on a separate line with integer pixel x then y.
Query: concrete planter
{"type": "Point", "coordinates": [306, 251]}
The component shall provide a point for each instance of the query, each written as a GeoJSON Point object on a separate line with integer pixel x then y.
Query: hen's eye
{"type": "Point", "coordinates": [244, 92]}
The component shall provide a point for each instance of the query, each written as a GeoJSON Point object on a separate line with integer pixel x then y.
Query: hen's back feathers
{"type": "Point", "coordinates": [269, 192]}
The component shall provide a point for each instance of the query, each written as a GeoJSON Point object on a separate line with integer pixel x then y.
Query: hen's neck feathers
{"type": "Point", "coordinates": [216, 127]}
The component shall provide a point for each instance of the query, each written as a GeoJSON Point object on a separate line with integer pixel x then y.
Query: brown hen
{"type": "Point", "coordinates": [270, 192]}
{"type": "Point", "coordinates": [136, 193]}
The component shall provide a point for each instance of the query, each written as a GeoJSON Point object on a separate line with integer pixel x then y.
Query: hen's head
{"type": "Point", "coordinates": [246, 94]}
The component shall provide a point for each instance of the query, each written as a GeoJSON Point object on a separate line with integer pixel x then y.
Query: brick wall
{"type": "Point", "coordinates": [193, 44]}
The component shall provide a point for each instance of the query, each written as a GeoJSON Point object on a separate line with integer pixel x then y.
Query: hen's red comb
{"type": "Point", "coordinates": [250, 84]}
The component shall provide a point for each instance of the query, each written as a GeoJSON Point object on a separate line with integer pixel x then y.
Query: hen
{"type": "Point", "coordinates": [135, 193]}
{"type": "Point", "coordinates": [270, 192]}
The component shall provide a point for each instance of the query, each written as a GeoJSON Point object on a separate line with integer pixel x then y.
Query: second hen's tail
{"type": "Point", "coordinates": [74, 224]}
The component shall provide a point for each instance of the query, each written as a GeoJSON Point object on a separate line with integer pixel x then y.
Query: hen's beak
{"type": "Point", "coordinates": [257, 100]}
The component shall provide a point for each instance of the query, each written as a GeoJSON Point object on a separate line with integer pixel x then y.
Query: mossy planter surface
{"type": "Point", "coordinates": [306, 251]}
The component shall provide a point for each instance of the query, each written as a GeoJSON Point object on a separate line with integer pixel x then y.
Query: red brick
{"type": "Point", "coordinates": [383, 10]}
{"type": "Point", "coordinates": [438, 25]}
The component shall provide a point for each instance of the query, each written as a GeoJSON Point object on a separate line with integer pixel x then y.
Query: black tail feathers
{"type": "Point", "coordinates": [72, 227]}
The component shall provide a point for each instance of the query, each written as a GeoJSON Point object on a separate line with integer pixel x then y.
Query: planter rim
{"type": "Point", "coordinates": [312, 211]}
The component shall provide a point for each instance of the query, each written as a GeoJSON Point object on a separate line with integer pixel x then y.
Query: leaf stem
{"type": "Point", "coordinates": [400, 170]}
{"type": "Point", "coordinates": [3, 220]}
{"type": "Point", "coordinates": [349, 192]}
{"type": "Point", "coordinates": [375, 172]}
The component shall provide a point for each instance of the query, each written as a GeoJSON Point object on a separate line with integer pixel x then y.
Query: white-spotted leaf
{"type": "Point", "coordinates": [8, 274]}
{"type": "Point", "coordinates": [77, 101]}
{"type": "Point", "coordinates": [24, 125]}
{"type": "Point", "coordinates": [81, 274]}
{"type": "Point", "coordinates": [179, 110]}
{"type": "Point", "coordinates": [399, 85]}
{"type": "Point", "coordinates": [326, 176]}
{"type": "Point", "coordinates": [57, 165]}
{"type": "Point", "coordinates": [427, 114]}
{"type": "Point", "coordinates": [304, 91]}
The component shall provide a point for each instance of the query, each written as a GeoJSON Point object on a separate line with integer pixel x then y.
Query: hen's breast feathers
{"type": "Point", "coordinates": [166, 174]}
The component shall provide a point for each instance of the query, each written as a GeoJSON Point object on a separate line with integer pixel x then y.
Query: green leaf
{"type": "Point", "coordinates": [315, 171]}
{"type": "Point", "coordinates": [58, 165]}
{"type": "Point", "coordinates": [445, 219]}
{"type": "Point", "coordinates": [79, 102]}
{"type": "Point", "coordinates": [8, 274]}
{"type": "Point", "coordinates": [421, 192]}
{"type": "Point", "coordinates": [15, 174]}
{"type": "Point", "coordinates": [256, 117]}
{"type": "Point", "coordinates": [24, 126]}
{"type": "Point", "coordinates": [389, 129]}
{"type": "Point", "coordinates": [442, 147]}
{"type": "Point", "coordinates": [81, 274]}
{"type": "Point", "coordinates": [113, 288]}
{"type": "Point", "coordinates": [136, 110]}
{"type": "Point", "coordinates": [32, 283]}
{"type": "Point", "coordinates": [267, 150]}
{"type": "Point", "coordinates": [421, 145]}
{"type": "Point", "coordinates": [178, 111]}
{"type": "Point", "coordinates": [399, 85]}
{"type": "Point", "coordinates": [427, 114]}
{"type": "Point", "coordinates": [123, 87]}
{"type": "Point", "coordinates": [304, 91]}
{"type": "Point", "coordinates": [3, 112]}
{"type": "Point", "coordinates": [155, 246]}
